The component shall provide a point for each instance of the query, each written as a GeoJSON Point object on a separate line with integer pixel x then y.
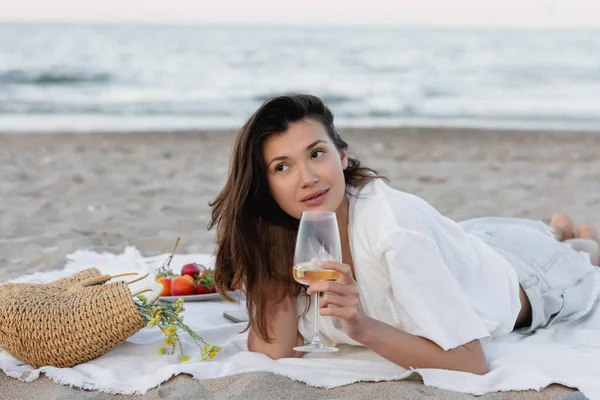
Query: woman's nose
{"type": "Point", "coordinates": [308, 176]}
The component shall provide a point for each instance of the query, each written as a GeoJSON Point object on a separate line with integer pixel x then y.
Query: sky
{"type": "Point", "coordinates": [438, 13]}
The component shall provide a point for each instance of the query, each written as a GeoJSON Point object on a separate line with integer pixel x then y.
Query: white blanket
{"type": "Point", "coordinates": [559, 355]}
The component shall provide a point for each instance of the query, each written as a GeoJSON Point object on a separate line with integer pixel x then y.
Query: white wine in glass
{"type": "Point", "coordinates": [318, 240]}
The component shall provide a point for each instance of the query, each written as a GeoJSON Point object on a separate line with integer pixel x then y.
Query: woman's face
{"type": "Point", "coordinates": [305, 169]}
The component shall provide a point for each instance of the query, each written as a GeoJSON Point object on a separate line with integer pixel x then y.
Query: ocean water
{"type": "Point", "coordinates": [119, 77]}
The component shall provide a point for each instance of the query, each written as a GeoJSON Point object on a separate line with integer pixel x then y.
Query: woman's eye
{"type": "Point", "coordinates": [281, 168]}
{"type": "Point", "coordinates": [317, 153]}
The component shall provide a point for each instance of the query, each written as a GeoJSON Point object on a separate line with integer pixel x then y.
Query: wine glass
{"type": "Point", "coordinates": [318, 240]}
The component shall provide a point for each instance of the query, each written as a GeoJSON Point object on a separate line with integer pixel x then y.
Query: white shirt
{"type": "Point", "coordinates": [418, 271]}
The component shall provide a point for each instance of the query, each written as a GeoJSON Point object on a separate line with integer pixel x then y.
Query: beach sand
{"type": "Point", "coordinates": [65, 192]}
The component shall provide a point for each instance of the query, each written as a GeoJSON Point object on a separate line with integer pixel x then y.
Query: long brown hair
{"type": "Point", "coordinates": [255, 237]}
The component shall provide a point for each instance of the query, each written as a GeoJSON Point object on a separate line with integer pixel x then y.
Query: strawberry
{"type": "Point", "coordinates": [206, 282]}
{"type": "Point", "coordinates": [202, 290]}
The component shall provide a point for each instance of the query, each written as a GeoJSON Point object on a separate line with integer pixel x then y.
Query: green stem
{"type": "Point", "coordinates": [179, 343]}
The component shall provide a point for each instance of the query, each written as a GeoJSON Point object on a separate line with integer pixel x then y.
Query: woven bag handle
{"type": "Point", "coordinates": [97, 283]}
{"type": "Point", "coordinates": [141, 291]}
{"type": "Point", "coordinates": [139, 278]}
{"type": "Point", "coordinates": [91, 284]}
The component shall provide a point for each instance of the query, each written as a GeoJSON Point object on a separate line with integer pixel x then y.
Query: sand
{"type": "Point", "coordinates": [63, 192]}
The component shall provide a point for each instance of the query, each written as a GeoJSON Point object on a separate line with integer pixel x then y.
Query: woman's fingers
{"type": "Point", "coordinates": [336, 300]}
{"type": "Point", "coordinates": [341, 299]}
{"type": "Point", "coordinates": [344, 307]}
{"type": "Point", "coordinates": [346, 313]}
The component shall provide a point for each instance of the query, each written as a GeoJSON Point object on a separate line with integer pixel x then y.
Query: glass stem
{"type": "Point", "coordinates": [316, 342]}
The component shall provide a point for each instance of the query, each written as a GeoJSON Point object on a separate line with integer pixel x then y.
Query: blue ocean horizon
{"type": "Point", "coordinates": [77, 77]}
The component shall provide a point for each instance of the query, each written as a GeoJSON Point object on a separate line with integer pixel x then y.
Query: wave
{"type": "Point", "coordinates": [52, 78]}
{"type": "Point", "coordinates": [135, 109]}
{"type": "Point", "coordinates": [407, 116]}
{"type": "Point", "coordinates": [407, 113]}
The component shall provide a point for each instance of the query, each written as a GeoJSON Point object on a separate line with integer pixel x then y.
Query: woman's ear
{"type": "Point", "coordinates": [344, 159]}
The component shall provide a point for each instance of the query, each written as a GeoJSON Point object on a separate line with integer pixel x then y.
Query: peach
{"type": "Point", "coordinates": [190, 278]}
{"type": "Point", "coordinates": [182, 286]}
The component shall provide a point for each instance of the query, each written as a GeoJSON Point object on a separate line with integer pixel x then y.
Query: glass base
{"type": "Point", "coordinates": [309, 348]}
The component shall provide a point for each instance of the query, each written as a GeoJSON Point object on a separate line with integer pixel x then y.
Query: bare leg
{"type": "Point", "coordinates": [588, 240]}
{"type": "Point", "coordinates": [588, 231]}
{"type": "Point", "coordinates": [563, 226]}
{"type": "Point", "coordinates": [589, 246]}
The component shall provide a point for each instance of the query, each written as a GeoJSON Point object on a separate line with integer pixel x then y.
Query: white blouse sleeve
{"type": "Point", "coordinates": [429, 301]}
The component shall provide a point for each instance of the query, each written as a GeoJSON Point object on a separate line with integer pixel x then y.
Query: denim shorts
{"type": "Point", "coordinates": [560, 282]}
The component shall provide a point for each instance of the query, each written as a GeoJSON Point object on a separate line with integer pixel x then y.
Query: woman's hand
{"type": "Point", "coordinates": [341, 299]}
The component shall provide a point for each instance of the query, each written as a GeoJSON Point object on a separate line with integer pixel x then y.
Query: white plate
{"type": "Point", "coordinates": [194, 297]}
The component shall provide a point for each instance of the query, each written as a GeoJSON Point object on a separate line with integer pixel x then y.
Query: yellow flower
{"type": "Point", "coordinates": [170, 330]}
{"type": "Point", "coordinates": [161, 350]}
{"type": "Point", "coordinates": [156, 313]}
{"type": "Point", "coordinates": [209, 351]}
{"type": "Point", "coordinates": [185, 359]}
{"type": "Point", "coordinates": [170, 340]}
{"type": "Point", "coordinates": [154, 321]}
{"type": "Point", "coordinates": [179, 306]}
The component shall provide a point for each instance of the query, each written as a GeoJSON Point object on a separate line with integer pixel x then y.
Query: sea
{"type": "Point", "coordinates": [137, 77]}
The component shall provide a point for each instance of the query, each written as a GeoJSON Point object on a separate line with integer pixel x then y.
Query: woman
{"type": "Point", "coordinates": [417, 288]}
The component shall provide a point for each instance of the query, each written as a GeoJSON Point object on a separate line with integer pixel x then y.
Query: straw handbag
{"type": "Point", "coordinates": [68, 321]}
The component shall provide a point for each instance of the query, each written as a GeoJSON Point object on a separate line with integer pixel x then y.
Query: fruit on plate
{"type": "Point", "coordinates": [182, 286]}
{"type": "Point", "coordinates": [192, 269]}
{"type": "Point", "coordinates": [189, 278]}
{"type": "Point", "coordinates": [194, 279]}
{"type": "Point", "coordinates": [166, 284]}
{"type": "Point", "coordinates": [202, 290]}
{"type": "Point", "coordinates": [206, 283]}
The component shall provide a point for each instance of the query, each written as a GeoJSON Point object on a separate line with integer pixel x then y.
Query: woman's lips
{"type": "Point", "coordinates": [318, 200]}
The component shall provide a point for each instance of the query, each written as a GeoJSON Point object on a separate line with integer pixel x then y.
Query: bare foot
{"type": "Point", "coordinates": [588, 231]}
{"type": "Point", "coordinates": [563, 226]}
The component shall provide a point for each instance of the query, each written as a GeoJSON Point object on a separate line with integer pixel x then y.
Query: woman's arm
{"type": "Point", "coordinates": [283, 326]}
{"type": "Point", "coordinates": [402, 348]}
{"type": "Point", "coordinates": [413, 351]}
